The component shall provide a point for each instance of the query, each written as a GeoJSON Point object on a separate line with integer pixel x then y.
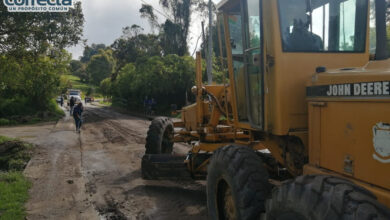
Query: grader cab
{"type": "Point", "coordinates": [301, 129]}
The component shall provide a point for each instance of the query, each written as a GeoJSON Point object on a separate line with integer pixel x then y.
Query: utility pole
{"type": "Point", "coordinates": [210, 47]}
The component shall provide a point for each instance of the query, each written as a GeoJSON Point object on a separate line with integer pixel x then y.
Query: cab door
{"type": "Point", "coordinates": [253, 56]}
{"type": "Point", "coordinates": [243, 24]}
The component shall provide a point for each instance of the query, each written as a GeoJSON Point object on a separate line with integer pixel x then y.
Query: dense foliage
{"type": "Point", "coordinates": [28, 84]}
{"type": "Point", "coordinates": [133, 44]}
{"type": "Point", "coordinates": [173, 33]}
{"type": "Point", "coordinates": [100, 66]}
{"type": "Point", "coordinates": [32, 59]}
{"type": "Point", "coordinates": [35, 32]}
{"type": "Point", "coordinates": [166, 79]}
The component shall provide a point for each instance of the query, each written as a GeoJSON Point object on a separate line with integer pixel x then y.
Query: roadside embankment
{"type": "Point", "coordinates": [14, 156]}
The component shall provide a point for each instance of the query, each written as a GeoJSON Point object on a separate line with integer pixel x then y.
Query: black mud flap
{"type": "Point", "coordinates": [164, 167]}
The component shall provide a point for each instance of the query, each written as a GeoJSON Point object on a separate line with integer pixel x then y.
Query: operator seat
{"type": "Point", "coordinates": [302, 40]}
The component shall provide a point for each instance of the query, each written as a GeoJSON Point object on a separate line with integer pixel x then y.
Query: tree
{"type": "Point", "coordinates": [90, 51]}
{"type": "Point", "coordinates": [101, 66]}
{"type": "Point", "coordinates": [78, 68]}
{"type": "Point", "coordinates": [123, 87]}
{"type": "Point", "coordinates": [36, 32]}
{"type": "Point", "coordinates": [75, 65]}
{"type": "Point", "coordinates": [32, 58]}
{"type": "Point", "coordinates": [105, 87]}
{"type": "Point", "coordinates": [174, 31]}
{"type": "Point", "coordinates": [133, 44]}
{"type": "Point", "coordinates": [155, 77]}
{"type": "Point", "coordinates": [30, 83]}
{"type": "Point", "coordinates": [148, 13]}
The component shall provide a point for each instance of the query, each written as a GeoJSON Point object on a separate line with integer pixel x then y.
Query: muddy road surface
{"type": "Point", "coordinates": [97, 174]}
{"type": "Point", "coordinates": [112, 146]}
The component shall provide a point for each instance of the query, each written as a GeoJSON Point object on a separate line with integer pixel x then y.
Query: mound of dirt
{"type": "Point", "coordinates": [14, 155]}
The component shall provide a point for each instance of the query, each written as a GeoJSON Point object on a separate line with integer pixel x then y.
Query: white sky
{"type": "Point", "coordinates": [104, 20]}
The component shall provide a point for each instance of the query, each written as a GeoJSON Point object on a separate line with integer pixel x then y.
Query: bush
{"type": "Point", "coordinates": [166, 79]}
{"type": "Point", "coordinates": [101, 66]}
{"type": "Point", "coordinates": [90, 91]}
{"type": "Point", "coordinates": [4, 122]}
{"type": "Point", "coordinates": [28, 83]}
{"type": "Point", "coordinates": [18, 114]}
{"type": "Point", "coordinates": [4, 139]}
{"type": "Point", "coordinates": [15, 106]}
{"type": "Point", "coordinates": [54, 109]}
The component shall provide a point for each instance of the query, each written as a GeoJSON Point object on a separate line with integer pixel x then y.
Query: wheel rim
{"type": "Point", "coordinates": [167, 140]}
{"type": "Point", "coordinates": [226, 205]}
{"type": "Point", "coordinates": [229, 208]}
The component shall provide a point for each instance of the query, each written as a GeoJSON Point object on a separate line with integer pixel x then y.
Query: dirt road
{"type": "Point", "coordinates": [96, 174]}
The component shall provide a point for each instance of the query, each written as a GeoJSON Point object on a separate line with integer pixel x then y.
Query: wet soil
{"type": "Point", "coordinates": [96, 174]}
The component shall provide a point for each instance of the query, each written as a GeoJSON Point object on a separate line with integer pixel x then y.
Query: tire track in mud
{"type": "Point", "coordinates": [124, 131]}
{"type": "Point", "coordinates": [113, 145]}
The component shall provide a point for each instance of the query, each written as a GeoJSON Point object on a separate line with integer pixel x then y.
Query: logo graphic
{"type": "Point", "coordinates": [382, 142]}
{"type": "Point", "coordinates": [38, 5]}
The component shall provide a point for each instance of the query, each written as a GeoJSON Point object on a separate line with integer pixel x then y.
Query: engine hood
{"type": "Point", "coordinates": [371, 80]}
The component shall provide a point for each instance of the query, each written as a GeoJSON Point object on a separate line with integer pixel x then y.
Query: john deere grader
{"type": "Point", "coordinates": [301, 129]}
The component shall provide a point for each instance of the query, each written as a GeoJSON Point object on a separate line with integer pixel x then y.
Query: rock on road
{"type": "Point", "coordinates": [96, 174]}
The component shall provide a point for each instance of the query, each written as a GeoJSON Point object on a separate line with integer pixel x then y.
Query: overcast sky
{"type": "Point", "coordinates": [104, 20]}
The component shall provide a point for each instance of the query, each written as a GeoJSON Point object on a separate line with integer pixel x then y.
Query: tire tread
{"type": "Point", "coordinates": [155, 135]}
{"type": "Point", "coordinates": [326, 197]}
{"type": "Point", "coordinates": [249, 178]}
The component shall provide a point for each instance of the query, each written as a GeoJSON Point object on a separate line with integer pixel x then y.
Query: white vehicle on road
{"type": "Point", "coordinates": [76, 94]}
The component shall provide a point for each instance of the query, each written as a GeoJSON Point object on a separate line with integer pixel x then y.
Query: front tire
{"type": "Point", "coordinates": [237, 184]}
{"type": "Point", "coordinates": [319, 197]}
{"type": "Point", "coordinates": [159, 139]}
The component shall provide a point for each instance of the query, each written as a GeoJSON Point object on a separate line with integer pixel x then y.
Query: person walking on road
{"type": "Point", "coordinates": [77, 112]}
{"type": "Point", "coordinates": [71, 105]}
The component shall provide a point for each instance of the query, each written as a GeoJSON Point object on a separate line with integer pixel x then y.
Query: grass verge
{"type": "Point", "coordinates": [14, 156]}
{"type": "Point", "coordinates": [14, 194]}
{"type": "Point", "coordinates": [105, 103]}
{"type": "Point", "coordinates": [53, 113]}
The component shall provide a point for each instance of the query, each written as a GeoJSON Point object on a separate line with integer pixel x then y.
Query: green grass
{"type": "Point", "coordinates": [4, 139]}
{"type": "Point", "coordinates": [14, 194]}
{"type": "Point", "coordinates": [105, 103]}
{"type": "Point", "coordinates": [4, 121]}
{"type": "Point", "coordinates": [13, 185]}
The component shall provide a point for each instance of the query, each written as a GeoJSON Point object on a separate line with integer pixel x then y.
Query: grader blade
{"type": "Point", "coordinates": [164, 167]}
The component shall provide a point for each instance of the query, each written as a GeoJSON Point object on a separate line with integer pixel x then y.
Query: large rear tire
{"type": "Point", "coordinates": [319, 197]}
{"type": "Point", "coordinates": [159, 139]}
{"type": "Point", "coordinates": [237, 184]}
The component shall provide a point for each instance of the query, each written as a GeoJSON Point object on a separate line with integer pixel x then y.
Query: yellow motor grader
{"type": "Point", "coordinates": [301, 129]}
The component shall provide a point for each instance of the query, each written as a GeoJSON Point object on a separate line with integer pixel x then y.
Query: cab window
{"type": "Point", "coordinates": [236, 42]}
{"type": "Point", "coordinates": [323, 25]}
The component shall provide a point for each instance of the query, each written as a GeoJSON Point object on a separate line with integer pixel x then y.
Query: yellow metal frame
{"type": "Point", "coordinates": [287, 110]}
